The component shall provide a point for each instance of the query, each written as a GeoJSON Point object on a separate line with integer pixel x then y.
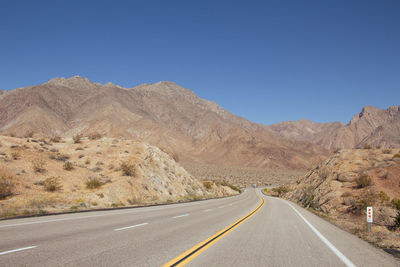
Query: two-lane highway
{"type": "Point", "coordinates": [243, 232]}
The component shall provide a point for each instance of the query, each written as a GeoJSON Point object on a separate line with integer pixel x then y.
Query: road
{"type": "Point", "coordinates": [276, 234]}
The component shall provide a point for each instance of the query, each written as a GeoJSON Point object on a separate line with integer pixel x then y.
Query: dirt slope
{"type": "Point", "coordinates": [47, 176]}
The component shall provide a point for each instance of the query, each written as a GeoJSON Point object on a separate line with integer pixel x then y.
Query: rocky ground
{"type": "Point", "coordinates": [341, 188]}
{"type": "Point", "coordinates": [53, 175]}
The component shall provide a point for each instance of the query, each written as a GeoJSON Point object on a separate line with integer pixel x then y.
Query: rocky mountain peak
{"type": "Point", "coordinates": [75, 82]}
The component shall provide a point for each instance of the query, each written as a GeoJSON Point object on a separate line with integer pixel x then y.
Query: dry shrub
{"type": "Point", "coordinates": [15, 155]}
{"type": "Point", "coordinates": [6, 184]}
{"type": "Point", "coordinates": [93, 183]}
{"type": "Point", "coordinates": [38, 165]}
{"type": "Point", "coordinates": [55, 139]}
{"type": "Point", "coordinates": [95, 136]}
{"type": "Point", "coordinates": [387, 151]}
{"type": "Point", "coordinates": [280, 190]}
{"type": "Point", "coordinates": [383, 197]}
{"type": "Point", "coordinates": [363, 181]}
{"type": "Point", "coordinates": [68, 166]}
{"type": "Point", "coordinates": [62, 157]}
{"type": "Point", "coordinates": [396, 203]}
{"type": "Point", "coordinates": [29, 134]}
{"type": "Point", "coordinates": [360, 203]}
{"type": "Point", "coordinates": [233, 187]}
{"type": "Point", "coordinates": [52, 184]}
{"type": "Point", "coordinates": [77, 138]}
{"type": "Point", "coordinates": [396, 156]}
{"type": "Point", "coordinates": [208, 184]}
{"type": "Point", "coordinates": [323, 172]}
{"type": "Point", "coordinates": [128, 168]}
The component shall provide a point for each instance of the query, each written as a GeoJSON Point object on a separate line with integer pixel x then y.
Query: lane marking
{"type": "Point", "coordinates": [16, 250]}
{"type": "Point", "coordinates": [221, 207]}
{"type": "Point", "coordinates": [340, 255]}
{"type": "Point", "coordinates": [183, 215]}
{"type": "Point", "coordinates": [129, 227]}
{"type": "Point", "coordinates": [192, 253]}
{"type": "Point", "coordinates": [63, 219]}
{"type": "Point", "coordinates": [207, 210]}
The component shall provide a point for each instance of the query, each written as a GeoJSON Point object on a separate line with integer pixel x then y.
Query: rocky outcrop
{"type": "Point", "coordinates": [344, 185]}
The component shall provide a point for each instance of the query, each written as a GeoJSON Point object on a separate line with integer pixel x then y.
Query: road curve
{"type": "Point", "coordinates": [276, 235]}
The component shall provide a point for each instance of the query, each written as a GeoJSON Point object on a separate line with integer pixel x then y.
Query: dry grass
{"type": "Point", "coordinates": [55, 139]}
{"type": "Point", "coordinates": [225, 183]}
{"type": "Point", "coordinates": [93, 183]}
{"type": "Point", "coordinates": [6, 184]}
{"type": "Point", "coordinates": [363, 181]}
{"type": "Point", "coordinates": [52, 184]}
{"type": "Point", "coordinates": [128, 168]}
{"type": "Point", "coordinates": [95, 136]}
{"type": "Point", "coordinates": [38, 165]}
{"type": "Point", "coordinates": [77, 138]}
{"type": "Point", "coordinates": [207, 184]}
{"type": "Point", "coordinates": [68, 166]}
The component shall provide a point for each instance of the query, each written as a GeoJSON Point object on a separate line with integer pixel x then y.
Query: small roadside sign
{"type": "Point", "coordinates": [369, 214]}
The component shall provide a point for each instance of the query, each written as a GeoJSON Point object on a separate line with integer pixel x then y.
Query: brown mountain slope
{"type": "Point", "coordinates": [304, 129]}
{"type": "Point", "coordinates": [163, 114]}
{"type": "Point", "coordinates": [372, 127]}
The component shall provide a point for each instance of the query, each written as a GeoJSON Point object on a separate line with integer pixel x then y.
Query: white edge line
{"type": "Point", "coordinates": [16, 250]}
{"type": "Point", "coordinates": [67, 219]}
{"type": "Point", "coordinates": [342, 257]}
{"type": "Point", "coordinates": [183, 215]}
{"type": "Point", "coordinates": [132, 226]}
{"type": "Point", "coordinates": [84, 217]}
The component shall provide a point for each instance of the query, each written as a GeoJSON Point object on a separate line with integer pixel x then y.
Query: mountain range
{"type": "Point", "coordinates": [195, 130]}
{"type": "Point", "coordinates": [371, 127]}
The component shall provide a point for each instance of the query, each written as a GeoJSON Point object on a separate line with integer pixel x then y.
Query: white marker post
{"type": "Point", "coordinates": [370, 213]}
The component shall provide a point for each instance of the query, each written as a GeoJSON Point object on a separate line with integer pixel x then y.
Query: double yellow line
{"type": "Point", "coordinates": [192, 253]}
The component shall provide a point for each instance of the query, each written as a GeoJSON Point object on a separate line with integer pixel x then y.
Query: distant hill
{"type": "Point", "coordinates": [163, 114]}
{"type": "Point", "coordinates": [372, 127]}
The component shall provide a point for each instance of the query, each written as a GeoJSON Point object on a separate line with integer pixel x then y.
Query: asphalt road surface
{"type": "Point", "coordinates": [241, 231]}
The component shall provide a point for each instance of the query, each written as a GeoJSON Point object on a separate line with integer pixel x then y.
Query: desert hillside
{"type": "Point", "coordinates": [199, 132]}
{"type": "Point", "coordinates": [52, 175]}
{"type": "Point", "coordinates": [342, 187]}
{"type": "Point", "coordinates": [372, 127]}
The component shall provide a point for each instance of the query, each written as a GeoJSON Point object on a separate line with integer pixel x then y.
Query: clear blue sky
{"type": "Point", "coordinates": [268, 61]}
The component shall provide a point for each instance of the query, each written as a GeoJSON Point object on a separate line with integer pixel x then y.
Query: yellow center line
{"type": "Point", "coordinates": [192, 253]}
